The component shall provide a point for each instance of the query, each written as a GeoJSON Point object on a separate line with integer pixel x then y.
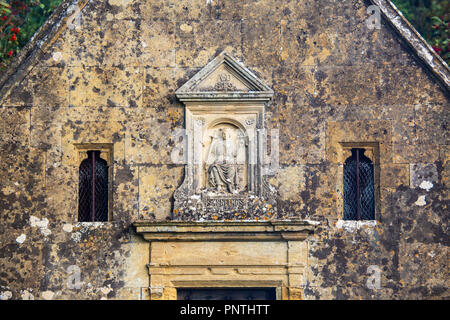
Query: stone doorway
{"type": "Point", "coordinates": [228, 255]}
{"type": "Point", "coordinates": [226, 294]}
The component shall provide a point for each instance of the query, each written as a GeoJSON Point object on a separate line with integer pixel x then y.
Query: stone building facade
{"type": "Point", "coordinates": [320, 77]}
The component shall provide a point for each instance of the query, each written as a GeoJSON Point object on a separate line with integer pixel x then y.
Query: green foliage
{"type": "Point", "coordinates": [431, 18]}
{"type": "Point", "coordinates": [19, 20]}
{"type": "Point", "coordinates": [36, 17]}
{"type": "Point", "coordinates": [4, 7]}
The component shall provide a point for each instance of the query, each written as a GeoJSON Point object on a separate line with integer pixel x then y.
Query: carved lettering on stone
{"type": "Point", "coordinates": [224, 83]}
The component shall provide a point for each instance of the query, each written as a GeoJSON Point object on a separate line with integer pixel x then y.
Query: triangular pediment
{"type": "Point", "coordinates": [224, 78]}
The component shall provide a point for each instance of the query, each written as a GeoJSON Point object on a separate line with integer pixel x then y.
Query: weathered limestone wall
{"type": "Point", "coordinates": [111, 79]}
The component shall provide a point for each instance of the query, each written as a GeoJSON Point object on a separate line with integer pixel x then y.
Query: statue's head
{"type": "Point", "coordinates": [223, 133]}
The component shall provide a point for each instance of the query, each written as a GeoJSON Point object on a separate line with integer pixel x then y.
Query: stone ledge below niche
{"type": "Point", "coordinates": [224, 231]}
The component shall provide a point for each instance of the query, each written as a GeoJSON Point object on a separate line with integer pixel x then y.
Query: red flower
{"type": "Point", "coordinates": [15, 30]}
{"type": "Point", "coordinates": [13, 38]}
{"type": "Point", "coordinates": [437, 49]}
{"type": "Point", "coordinates": [10, 53]}
{"type": "Point", "coordinates": [4, 18]}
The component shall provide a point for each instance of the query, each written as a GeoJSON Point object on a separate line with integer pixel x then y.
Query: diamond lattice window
{"type": "Point", "coordinates": [359, 201]}
{"type": "Point", "coordinates": [93, 189]}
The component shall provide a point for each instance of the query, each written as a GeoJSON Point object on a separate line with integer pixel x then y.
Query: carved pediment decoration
{"type": "Point", "coordinates": [224, 176]}
{"type": "Point", "coordinates": [224, 78]}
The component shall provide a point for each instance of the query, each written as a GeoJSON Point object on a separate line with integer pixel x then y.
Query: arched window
{"type": "Point", "coordinates": [93, 189]}
{"type": "Point", "coordinates": [358, 187]}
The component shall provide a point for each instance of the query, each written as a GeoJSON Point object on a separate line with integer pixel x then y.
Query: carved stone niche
{"type": "Point", "coordinates": [224, 143]}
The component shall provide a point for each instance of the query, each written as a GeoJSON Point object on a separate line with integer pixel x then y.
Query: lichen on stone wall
{"type": "Point", "coordinates": [112, 80]}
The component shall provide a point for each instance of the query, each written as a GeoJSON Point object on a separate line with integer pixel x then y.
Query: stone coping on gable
{"type": "Point", "coordinates": [418, 44]}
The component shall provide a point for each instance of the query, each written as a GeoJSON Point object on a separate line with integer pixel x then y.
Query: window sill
{"type": "Point", "coordinates": [355, 225]}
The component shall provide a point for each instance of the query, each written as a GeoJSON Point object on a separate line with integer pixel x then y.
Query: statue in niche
{"type": "Point", "coordinates": [222, 174]}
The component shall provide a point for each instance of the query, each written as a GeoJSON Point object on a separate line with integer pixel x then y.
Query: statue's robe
{"type": "Point", "coordinates": [225, 172]}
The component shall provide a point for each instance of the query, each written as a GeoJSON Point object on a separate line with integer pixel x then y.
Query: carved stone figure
{"type": "Point", "coordinates": [225, 146]}
{"type": "Point", "coordinates": [222, 173]}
